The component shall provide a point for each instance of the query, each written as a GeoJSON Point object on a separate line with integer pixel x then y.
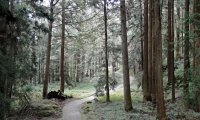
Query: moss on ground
{"type": "Point", "coordinates": [46, 108]}
{"type": "Point", "coordinates": [40, 109]}
{"type": "Point", "coordinates": [114, 110]}
{"type": "Point", "coordinates": [100, 110]}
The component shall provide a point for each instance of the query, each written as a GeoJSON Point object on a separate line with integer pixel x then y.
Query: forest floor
{"type": "Point", "coordinates": [49, 109]}
{"type": "Point", "coordinates": [98, 109]}
{"type": "Point", "coordinates": [114, 110]}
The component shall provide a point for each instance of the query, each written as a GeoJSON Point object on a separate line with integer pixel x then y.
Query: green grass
{"type": "Point", "coordinates": [47, 108]}
{"type": "Point", "coordinates": [81, 90]}
{"type": "Point", "coordinates": [114, 110]}
{"type": "Point", "coordinates": [117, 96]}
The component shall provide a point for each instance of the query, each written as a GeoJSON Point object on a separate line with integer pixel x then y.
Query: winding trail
{"type": "Point", "coordinates": [71, 110]}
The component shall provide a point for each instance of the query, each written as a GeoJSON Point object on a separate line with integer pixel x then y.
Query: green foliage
{"type": "Point", "coordinates": [138, 78]}
{"type": "Point", "coordinates": [16, 61]}
{"type": "Point", "coordinates": [81, 90]}
{"type": "Point", "coordinates": [115, 111]}
{"type": "Point", "coordinates": [101, 83]}
{"type": "Point", "coordinates": [194, 97]}
{"type": "Point", "coordinates": [45, 108]}
{"type": "Point", "coordinates": [3, 7]}
{"type": "Point", "coordinates": [116, 96]}
{"type": "Point", "coordinates": [179, 73]}
{"type": "Point", "coordinates": [69, 81]}
{"type": "Point", "coordinates": [5, 105]}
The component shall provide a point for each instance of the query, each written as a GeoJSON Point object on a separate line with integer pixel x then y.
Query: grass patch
{"type": "Point", "coordinates": [81, 90]}
{"type": "Point", "coordinates": [39, 109]}
{"type": "Point", "coordinates": [114, 110]}
{"type": "Point", "coordinates": [117, 96]}
{"type": "Point", "coordinates": [46, 108]}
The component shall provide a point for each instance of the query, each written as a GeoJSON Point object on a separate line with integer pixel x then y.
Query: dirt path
{"type": "Point", "coordinates": [71, 110]}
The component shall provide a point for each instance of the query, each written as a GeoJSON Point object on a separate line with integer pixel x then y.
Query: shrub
{"type": "Point", "coordinates": [101, 85]}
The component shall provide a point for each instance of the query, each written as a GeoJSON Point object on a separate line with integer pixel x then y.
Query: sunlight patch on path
{"type": "Point", "coordinates": [71, 110]}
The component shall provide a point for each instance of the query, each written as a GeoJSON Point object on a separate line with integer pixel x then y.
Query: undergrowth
{"type": "Point", "coordinates": [114, 110]}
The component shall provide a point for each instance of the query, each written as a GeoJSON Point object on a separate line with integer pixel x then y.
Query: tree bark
{"type": "Point", "coordinates": [145, 57]}
{"type": "Point", "coordinates": [150, 49]}
{"type": "Point", "coordinates": [178, 33]}
{"type": "Point", "coordinates": [161, 112]}
{"type": "Point", "coordinates": [106, 52]}
{"type": "Point", "coordinates": [153, 94]}
{"type": "Point", "coordinates": [172, 56]}
{"type": "Point", "coordinates": [83, 65]}
{"type": "Point", "coordinates": [170, 59]}
{"type": "Point", "coordinates": [62, 77]}
{"type": "Point", "coordinates": [48, 54]}
{"type": "Point", "coordinates": [126, 79]}
{"type": "Point", "coordinates": [78, 65]}
{"type": "Point", "coordinates": [196, 54]}
{"type": "Point", "coordinates": [141, 34]}
{"type": "Point", "coordinates": [186, 53]}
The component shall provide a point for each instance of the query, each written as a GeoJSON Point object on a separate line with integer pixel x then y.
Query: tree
{"type": "Point", "coordinates": [161, 113]}
{"type": "Point", "coordinates": [145, 81]}
{"type": "Point", "coordinates": [170, 58]}
{"type": "Point", "coordinates": [150, 50]}
{"type": "Point", "coordinates": [4, 56]}
{"type": "Point", "coordinates": [196, 54]}
{"type": "Point", "coordinates": [78, 61]}
{"type": "Point", "coordinates": [62, 78]}
{"type": "Point", "coordinates": [178, 31]}
{"type": "Point", "coordinates": [126, 79]}
{"type": "Point", "coordinates": [153, 91]}
{"type": "Point", "coordinates": [106, 53]}
{"type": "Point", "coordinates": [48, 54]}
{"type": "Point", "coordinates": [141, 33]}
{"type": "Point", "coordinates": [17, 36]}
{"type": "Point", "coordinates": [186, 52]}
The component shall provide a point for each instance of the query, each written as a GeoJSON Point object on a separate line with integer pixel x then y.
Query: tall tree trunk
{"type": "Point", "coordinates": [48, 54]}
{"type": "Point", "coordinates": [170, 59]}
{"type": "Point", "coordinates": [78, 61]}
{"type": "Point", "coordinates": [34, 61]}
{"type": "Point", "coordinates": [161, 112]}
{"type": "Point", "coordinates": [126, 79]}
{"type": "Point", "coordinates": [150, 50]}
{"type": "Point", "coordinates": [106, 53]}
{"type": "Point", "coordinates": [193, 27]}
{"type": "Point", "coordinates": [153, 55]}
{"type": "Point", "coordinates": [197, 54]}
{"type": "Point", "coordinates": [39, 70]}
{"type": "Point", "coordinates": [145, 81]}
{"type": "Point", "coordinates": [12, 54]}
{"type": "Point", "coordinates": [186, 53]}
{"type": "Point", "coordinates": [141, 34]}
{"type": "Point", "coordinates": [83, 65]}
{"type": "Point", "coordinates": [178, 32]}
{"type": "Point", "coordinates": [62, 77]}
{"type": "Point", "coordinates": [172, 56]}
